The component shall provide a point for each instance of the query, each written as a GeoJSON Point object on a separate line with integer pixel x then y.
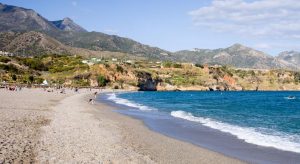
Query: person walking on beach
{"type": "Point", "coordinates": [95, 94]}
{"type": "Point", "coordinates": [91, 101]}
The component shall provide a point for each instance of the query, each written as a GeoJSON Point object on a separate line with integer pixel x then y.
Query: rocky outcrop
{"type": "Point", "coordinates": [68, 24]}
{"type": "Point", "coordinates": [146, 82]}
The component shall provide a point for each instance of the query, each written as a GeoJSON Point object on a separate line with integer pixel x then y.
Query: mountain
{"type": "Point", "coordinates": [292, 57]}
{"type": "Point", "coordinates": [25, 31]}
{"type": "Point", "coordinates": [68, 24]}
{"type": "Point", "coordinates": [98, 41]}
{"type": "Point", "coordinates": [14, 18]}
{"type": "Point", "coordinates": [19, 19]}
{"type": "Point", "coordinates": [236, 55]}
{"type": "Point", "coordinates": [37, 43]}
{"type": "Point", "coordinates": [31, 43]}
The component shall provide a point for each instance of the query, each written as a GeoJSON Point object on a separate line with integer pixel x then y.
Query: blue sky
{"type": "Point", "coordinates": [268, 25]}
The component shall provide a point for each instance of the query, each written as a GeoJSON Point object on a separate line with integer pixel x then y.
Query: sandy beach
{"type": "Point", "coordinates": [22, 114]}
{"type": "Point", "coordinates": [44, 127]}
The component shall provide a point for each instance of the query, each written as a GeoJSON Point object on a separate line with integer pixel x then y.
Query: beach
{"type": "Point", "coordinates": [43, 127]}
{"type": "Point", "coordinates": [22, 114]}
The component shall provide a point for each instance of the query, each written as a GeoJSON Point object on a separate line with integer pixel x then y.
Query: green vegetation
{"type": "Point", "coordinates": [102, 81]}
{"type": "Point", "coordinates": [70, 71]}
{"type": "Point", "coordinates": [4, 59]}
{"type": "Point", "coordinates": [120, 69]}
{"type": "Point", "coordinates": [10, 68]}
{"type": "Point", "coordinates": [297, 76]}
{"type": "Point", "coordinates": [199, 65]}
{"type": "Point", "coordinates": [169, 64]}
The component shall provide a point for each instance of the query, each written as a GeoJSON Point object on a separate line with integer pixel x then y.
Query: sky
{"type": "Point", "coordinates": [271, 26]}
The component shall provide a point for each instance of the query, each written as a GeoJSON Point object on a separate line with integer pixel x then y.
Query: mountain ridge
{"type": "Point", "coordinates": [67, 24]}
{"type": "Point", "coordinates": [236, 55]}
{"type": "Point", "coordinates": [66, 33]}
{"type": "Point", "coordinates": [17, 19]}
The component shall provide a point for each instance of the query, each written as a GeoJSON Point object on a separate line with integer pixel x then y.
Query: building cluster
{"type": "Point", "coordinates": [3, 53]}
{"type": "Point", "coordinates": [93, 61]}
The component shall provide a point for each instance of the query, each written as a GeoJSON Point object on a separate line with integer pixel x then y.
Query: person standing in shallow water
{"type": "Point", "coordinates": [95, 94]}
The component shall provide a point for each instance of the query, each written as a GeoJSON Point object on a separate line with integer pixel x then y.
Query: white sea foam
{"type": "Point", "coordinates": [113, 97]}
{"type": "Point", "coordinates": [290, 98]}
{"type": "Point", "coordinates": [250, 135]}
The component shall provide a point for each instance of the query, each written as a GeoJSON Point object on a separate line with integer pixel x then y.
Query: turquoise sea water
{"type": "Point", "coordinates": [269, 119]}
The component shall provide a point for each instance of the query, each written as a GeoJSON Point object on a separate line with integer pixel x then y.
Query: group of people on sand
{"type": "Point", "coordinates": [75, 89]}
{"type": "Point", "coordinates": [60, 89]}
{"type": "Point", "coordinates": [12, 87]}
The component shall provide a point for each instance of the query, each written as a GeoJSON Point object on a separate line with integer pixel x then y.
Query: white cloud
{"type": "Point", "coordinates": [264, 18]}
{"type": "Point", "coordinates": [74, 3]}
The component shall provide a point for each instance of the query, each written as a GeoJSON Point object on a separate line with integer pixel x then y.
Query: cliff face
{"type": "Point", "coordinates": [146, 82]}
{"type": "Point", "coordinates": [194, 78]}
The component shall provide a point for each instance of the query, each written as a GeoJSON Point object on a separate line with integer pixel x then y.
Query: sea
{"type": "Point", "coordinates": [257, 127]}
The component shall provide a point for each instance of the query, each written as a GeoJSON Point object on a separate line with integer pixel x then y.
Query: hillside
{"type": "Point", "coordinates": [292, 57]}
{"type": "Point", "coordinates": [36, 43]}
{"type": "Point", "coordinates": [31, 43]}
{"type": "Point", "coordinates": [71, 71]}
{"type": "Point", "coordinates": [14, 18]}
{"type": "Point", "coordinates": [237, 55]}
{"type": "Point", "coordinates": [66, 37]}
{"type": "Point", "coordinates": [102, 42]}
{"type": "Point", "coordinates": [66, 31]}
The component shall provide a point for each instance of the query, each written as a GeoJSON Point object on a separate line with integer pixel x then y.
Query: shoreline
{"type": "Point", "coordinates": [146, 141]}
{"type": "Point", "coordinates": [205, 137]}
{"type": "Point", "coordinates": [49, 127]}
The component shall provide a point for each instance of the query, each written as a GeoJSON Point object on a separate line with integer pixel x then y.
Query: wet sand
{"type": "Point", "coordinates": [159, 148]}
{"type": "Point", "coordinates": [212, 139]}
{"type": "Point", "coordinates": [43, 127]}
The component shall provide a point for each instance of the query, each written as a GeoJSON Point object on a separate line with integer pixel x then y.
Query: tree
{"type": "Point", "coordinates": [120, 69]}
{"type": "Point", "coordinates": [102, 81]}
{"type": "Point", "coordinates": [177, 65]}
{"type": "Point", "coordinates": [31, 78]}
{"type": "Point", "coordinates": [297, 76]}
{"type": "Point", "coordinates": [199, 65]}
{"type": "Point", "coordinates": [167, 64]}
{"type": "Point", "coordinates": [14, 77]}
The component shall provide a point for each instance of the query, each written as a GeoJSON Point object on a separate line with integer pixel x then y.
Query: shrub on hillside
{"type": "Point", "coordinates": [177, 65]}
{"type": "Point", "coordinates": [199, 65]}
{"type": "Point", "coordinates": [297, 76]}
{"type": "Point", "coordinates": [120, 69]}
{"type": "Point", "coordinates": [4, 59]}
{"type": "Point", "coordinates": [9, 68]}
{"type": "Point", "coordinates": [102, 81]}
{"type": "Point", "coordinates": [167, 64]}
{"type": "Point", "coordinates": [35, 63]}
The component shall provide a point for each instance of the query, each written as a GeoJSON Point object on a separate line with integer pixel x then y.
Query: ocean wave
{"type": "Point", "coordinates": [113, 97]}
{"type": "Point", "coordinates": [290, 98]}
{"type": "Point", "coordinates": [249, 135]}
